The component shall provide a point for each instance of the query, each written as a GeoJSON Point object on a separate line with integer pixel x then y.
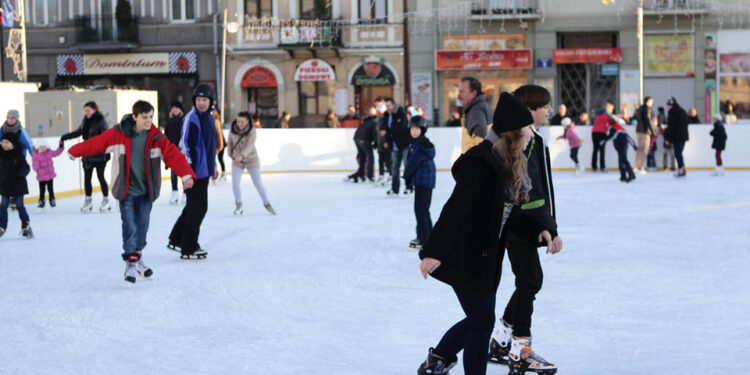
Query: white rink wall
{"type": "Point", "coordinates": [296, 150]}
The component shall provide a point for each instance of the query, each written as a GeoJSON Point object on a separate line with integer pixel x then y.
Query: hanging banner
{"type": "Point", "coordinates": [709, 87]}
{"type": "Point", "coordinates": [587, 55]}
{"type": "Point", "coordinates": [484, 42]}
{"type": "Point", "coordinates": [314, 70]}
{"type": "Point", "coordinates": [483, 59]}
{"type": "Point", "coordinates": [421, 92]}
{"type": "Point", "coordinates": [258, 77]}
{"type": "Point", "coordinates": [669, 54]}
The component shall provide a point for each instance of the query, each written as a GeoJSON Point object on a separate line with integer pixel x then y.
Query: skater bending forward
{"type": "Point", "coordinates": [465, 249]}
{"type": "Point", "coordinates": [137, 147]}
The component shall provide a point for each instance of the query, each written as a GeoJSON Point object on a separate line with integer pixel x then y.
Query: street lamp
{"type": "Point", "coordinates": [231, 27]}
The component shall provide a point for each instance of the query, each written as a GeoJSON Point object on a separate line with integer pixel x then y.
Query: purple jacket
{"type": "Point", "coordinates": [571, 136]}
{"type": "Point", "coordinates": [43, 165]}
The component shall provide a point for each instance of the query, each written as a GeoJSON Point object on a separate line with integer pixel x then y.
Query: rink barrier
{"type": "Point", "coordinates": [333, 151]}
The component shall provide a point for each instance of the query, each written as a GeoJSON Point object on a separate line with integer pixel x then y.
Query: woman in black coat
{"type": "Point", "coordinates": [677, 132]}
{"type": "Point", "coordinates": [13, 172]}
{"type": "Point", "coordinates": [92, 125]}
{"type": "Point", "coordinates": [719, 143]}
{"type": "Point", "coordinates": [466, 247]}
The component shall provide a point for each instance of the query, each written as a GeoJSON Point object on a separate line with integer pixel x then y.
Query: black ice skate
{"type": "Point", "coordinates": [435, 365]}
{"type": "Point", "coordinates": [52, 203]}
{"type": "Point", "coordinates": [194, 255]}
{"type": "Point", "coordinates": [40, 205]}
{"type": "Point", "coordinates": [174, 247]}
{"type": "Point", "coordinates": [522, 359]}
{"type": "Point", "coordinates": [26, 231]}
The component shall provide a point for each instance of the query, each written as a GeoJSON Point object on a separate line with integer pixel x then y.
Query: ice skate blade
{"type": "Point", "coordinates": [147, 274]}
{"type": "Point", "coordinates": [193, 256]}
{"type": "Point", "coordinates": [174, 248]}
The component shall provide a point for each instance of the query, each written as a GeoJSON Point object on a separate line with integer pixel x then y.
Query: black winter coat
{"type": "Point", "coordinates": [398, 132]}
{"type": "Point", "coordinates": [466, 238]}
{"type": "Point", "coordinates": [90, 128]}
{"type": "Point", "coordinates": [720, 136]}
{"type": "Point", "coordinates": [677, 131]}
{"type": "Point", "coordinates": [13, 171]}
{"type": "Point", "coordinates": [173, 129]}
{"type": "Point", "coordinates": [644, 116]}
{"type": "Point", "coordinates": [368, 130]}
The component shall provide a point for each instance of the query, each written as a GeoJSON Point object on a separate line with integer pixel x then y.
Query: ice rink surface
{"type": "Point", "coordinates": [652, 280]}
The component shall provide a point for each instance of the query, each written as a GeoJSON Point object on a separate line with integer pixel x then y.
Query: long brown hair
{"type": "Point", "coordinates": [510, 149]}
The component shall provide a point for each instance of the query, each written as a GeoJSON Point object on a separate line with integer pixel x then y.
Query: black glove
{"type": "Point", "coordinates": [62, 143]}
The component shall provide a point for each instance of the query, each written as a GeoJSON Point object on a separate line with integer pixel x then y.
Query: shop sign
{"type": "Point", "coordinates": [669, 54]}
{"type": "Point", "coordinates": [610, 69]}
{"type": "Point", "coordinates": [258, 76]}
{"type": "Point", "coordinates": [484, 42]}
{"type": "Point", "coordinates": [314, 70]}
{"type": "Point", "coordinates": [587, 55]}
{"type": "Point", "coordinates": [127, 63]}
{"type": "Point", "coordinates": [373, 73]}
{"type": "Point", "coordinates": [737, 64]}
{"type": "Point", "coordinates": [544, 63]}
{"type": "Point", "coordinates": [421, 92]}
{"type": "Point", "coordinates": [483, 59]}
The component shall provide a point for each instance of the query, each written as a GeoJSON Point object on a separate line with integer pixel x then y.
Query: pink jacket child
{"type": "Point", "coordinates": [45, 170]}
{"type": "Point", "coordinates": [571, 136]}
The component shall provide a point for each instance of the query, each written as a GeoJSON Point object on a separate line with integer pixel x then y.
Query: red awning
{"type": "Point", "coordinates": [258, 76]}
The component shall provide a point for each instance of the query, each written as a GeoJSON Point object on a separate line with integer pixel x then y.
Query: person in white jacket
{"type": "Point", "coordinates": [241, 146]}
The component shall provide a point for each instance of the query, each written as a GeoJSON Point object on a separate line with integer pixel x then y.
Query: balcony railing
{"type": "Point", "coordinates": [660, 7]}
{"type": "Point", "coordinates": [311, 33]}
{"type": "Point", "coordinates": [106, 30]}
{"type": "Point", "coordinates": [500, 9]}
{"type": "Point", "coordinates": [373, 35]}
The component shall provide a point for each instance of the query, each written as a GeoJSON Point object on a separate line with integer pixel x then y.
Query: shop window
{"type": "Point", "coordinates": [316, 98]}
{"type": "Point", "coordinates": [373, 11]}
{"type": "Point", "coordinates": [315, 9]}
{"type": "Point", "coordinates": [258, 8]}
{"type": "Point", "coordinates": [45, 12]}
{"type": "Point", "coordinates": [183, 10]}
{"type": "Point", "coordinates": [735, 90]}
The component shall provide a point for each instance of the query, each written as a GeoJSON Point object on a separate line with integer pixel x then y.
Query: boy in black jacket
{"type": "Point", "coordinates": [13, 172]}
{"type": "Point", "coordinates": [511, 341]}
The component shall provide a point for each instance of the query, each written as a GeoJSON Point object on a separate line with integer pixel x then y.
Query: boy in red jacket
{"type": "Point", "coordinates": [137, 147]}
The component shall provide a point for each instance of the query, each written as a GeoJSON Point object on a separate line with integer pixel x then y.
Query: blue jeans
{"type": "Point", "coordinates": [366, 156]}
{"type": "Point", "coordinates": [398, 157]}
{"type": "Point", "coordinates": [135, 213]}
{"type": "Point", "coordinates": [678, 148]}
{"type": "Point", "coordinates": [22, 214]}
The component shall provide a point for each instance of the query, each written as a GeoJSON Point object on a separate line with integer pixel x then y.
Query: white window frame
{"type": "Point", "coordinates": [183, 8]}
{"type": "Point", "coordinates": [385, 16]}
{"type": "Point", "coordinates": [45, 21]}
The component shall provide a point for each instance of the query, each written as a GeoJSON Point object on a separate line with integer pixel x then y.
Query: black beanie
{"type": "Point", "coordinates": [419, 122]}
{"type": "Point", "coordinates": [177, 104]}
{"type": "Point", "coordinates": [510, 114]}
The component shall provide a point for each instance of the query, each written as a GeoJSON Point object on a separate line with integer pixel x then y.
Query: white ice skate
{"type": "Point", "coordinates": [238, 209]}
{"type": "Point", "coordinates": [87, 205]}
{"type": "Point", "coordinates": [268, 207]}
{"type": "Point", "coordinates": [131, 270]}
{"type": "Point", "coordinates": [183, 200]}
{"type": "Point", "coordinates": [223, 176]}
{"type": "Point", "coordinates": [105, 207]}
{"type": "Point", "coordinates": [500, 343]}
{"type": "Point", "coordinates": [579, 169]}
{"type": "Point", "coordinates": [142, 269]}
{"type": "Point", "coordinates": [718, 172]}
{"type": "Point", "coordinates": [175, 199]}
{"type": "Point", "coordinates": [522, 358]}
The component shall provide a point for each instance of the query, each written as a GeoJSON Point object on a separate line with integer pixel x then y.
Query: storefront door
{"type": "Point", "coordinates": [264, 101]}
{"type": "Point", "coordinates": [365, 96]}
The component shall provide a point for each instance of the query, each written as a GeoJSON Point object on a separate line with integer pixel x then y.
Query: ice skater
{"type": "Point", "coordinates": [465, 248]}
{"type": "Point", "coordinates": [198, 142]}
{"type": "Point", "coordinates": [574, 141]}
{"type": "Point", "coordinates": [13, 124]}
{"type": "Point", "coordinates": [172, 130]}
{"type": "Point", "coordinates": [92, 125]}
{"type": "Point", "coordinates": [13, 172]}
{"type": "Point", "coordinates": [621, 141]}
{"type": "Point", "coordinates": [138, 147]}
{"type": "Point", "coordinates": [719, 143]}
{"type": "Point", "coordinates": [222, 145]}
{"type": "Point", "coordinates": [245, 158]}
{"type": "Point", "coordinates": [419, 174]}
{"type": "Point", "coordinates": [45, 170]}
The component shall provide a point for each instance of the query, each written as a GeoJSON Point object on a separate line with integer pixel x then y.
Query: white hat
{"type": "Point", "coordinates": [717, 117]}
{"type": "Point", "coordinates": [40, 142]}
{"type": "Point", "coordinates": [566, 121]}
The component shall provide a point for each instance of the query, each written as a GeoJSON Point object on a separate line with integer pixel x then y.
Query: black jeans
{"type": "Point", "coordinates": [188, 226]}
{"type": "Point", "coordinates": [88, 170]}
{"type": "Point", "coordinates": [365, 155]}
{"type": "Point", "coordinates": [49, 188]}
{"type": "Point", "coordinates": [422, 200]}
{"type": "Point", "coordinates": [384, 160]}
{"type": "Point", "coordinates": [524, 261]}
{"type": "Point", "coordinates": [472, 334]}
{"type": "Point", "coordinates": [220, 156]}
{"type": "Point", "coordinates": [626, 171]}
{"type": "Point", "coordinates": [173, 177]}
{"type": "Point", "coordinates": [678, 148]}
{"type": "Point", "coordinates": [596, 138]}
{"type": "Point", "coordinates": [574, 154]}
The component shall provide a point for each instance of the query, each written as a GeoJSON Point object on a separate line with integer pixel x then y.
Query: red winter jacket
{"type": "Point", "coordinates": [602, 122]}
{"type": "Point", "coordinates": [115, 141]}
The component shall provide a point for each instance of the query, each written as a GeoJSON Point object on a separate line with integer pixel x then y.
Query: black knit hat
{"type": "Point", "coordinates": [672, 101]}
{"type": "Point", "coordinates": [11, 136]}
{"type": "Point", "coordinates": [510, 114]}
{"type": "Point", "coordinates": [419, 122]}
{"type": "Point", "coordinates": [177, 104]}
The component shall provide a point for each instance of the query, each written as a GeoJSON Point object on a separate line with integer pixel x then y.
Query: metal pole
{"type": "Point", "coordinates": [22, 10]}
{"type": "Point", "coordinates": [640, 52]}
{"type": "Point", "coordinates": [223, 66]}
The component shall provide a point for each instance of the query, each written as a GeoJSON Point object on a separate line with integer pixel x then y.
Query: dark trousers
{"type": "Point", "coordinates": [46, 185]}
{"type": "Point", "coordinates": [626, 171]}
{"type": "Point", "coordinates": [397, 158]}
{"type": "Point", "coordinates": [220, 155]}
{"type": "Point", "coordinates": [135, 213]}
{"type": "Point", "coordinates": [22, 214]}
{"type": "Point", "coordinates": [678, 148]}
{"type": "Point", "coordinates": [596, 138]}
{"type": "Point", "coordinates": [651, 158]}
{"type": "Point", "coordinates": [472, 334]}
{"type": "Point", "coordinates": [718, 158]}
{"type": "Point", "coordinates": [365, 157]}
{"type": "Point", "coordinates": [574, 154]}
{"type": "Point", "coordinates": [524, 261]}
{"type": "Point", "coordinates": [422, 200]}
{"type": "Point", "coordinates": [188, 226]}
{"type": "Point", "coordinates": [173, 177]}
{"type": "Point", "coordinates": [384, 161]}
{"type": "Point", "coordinates": [88, 171]}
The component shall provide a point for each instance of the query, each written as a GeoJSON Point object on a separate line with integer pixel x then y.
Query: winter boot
{"type": "Point", "coordinates": [26, 231]}
{"type": "Point", "coordinates": [87, 205]}
{"type": "Point", "coordinates": [52, 203]}
{"type": "Point", "coordinates": [238, 209]}
{"type": "Point", "coordinates": [141, 268]}
{"type": "Point", "coordinates": [40, 205]}
{"type": "Point", "coordinates": [131, 268]}
{"type": "Point", "coordinates": [500, 343]}
{"type": "Point", "coordinates": [435, 365]}
{"type": "Point", "coordinates": [522, 358]}
{"type": "Point", "coordinates": [175, 199]}
{"type": "Point", "coordinates": [105, 207]}
{"type": "Point", "coordinates": [268, 207]}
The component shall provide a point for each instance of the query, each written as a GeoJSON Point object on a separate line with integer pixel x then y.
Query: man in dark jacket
{"type": "Point", "coordinates": [365, 139]}
{"type": "Point", "coordinates": [677, 132]}
{"type": "Point", "coordinates": [173, 130]}
{"type": "Point", "coordinates": [477, 111]}
{"type": "Point", "coordinates": [644, 131]}
{"type": "Point", "coordinates": [524, 258]}
{"type": "Point", "coordinates": [397, 139]}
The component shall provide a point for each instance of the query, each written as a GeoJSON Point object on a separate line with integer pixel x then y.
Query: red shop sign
{"type": "Point", "coordinates": [258, 76]}
{"type": "Point", "coordinates": [483, 59]}
{"type": "Point", "coordinates": [587, 55]}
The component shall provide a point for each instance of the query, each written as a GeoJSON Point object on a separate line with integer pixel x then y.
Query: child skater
{"type": "Point", "coordinates": [45, 170]}
{"type": "Point", "coordinates": [13, 172]}
{"type": "Point", "coordinates": [651, 156]}
{"type": "Point", "coordinates": [621, 141]}
{"type": "Point", "coordinates": [244, 157]}
{"type": "Point", "coordinates": [138, 147]}
{"type": "Point", "coordinates": [420, 174]}
{"type": "Point", "coordinates": [574, 141]}
{"type": "Point", "coordinates": [719, 144]}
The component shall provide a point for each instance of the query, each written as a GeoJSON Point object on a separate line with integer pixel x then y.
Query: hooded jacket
{"type": "Point", "coordinates": [117, 141]}
{"type": "Point", "coordinates": [420, 166]}
{"type": "Point", "coordinates": [198, 142]}
{"type": "Point", "coordinates": [13, 168]}
{"type": "Point", "coordinates": [23, 136]}
{"type": "Point", "coordinates": [241, 145]}
{"type": "Point", "coordinates": [89, 128]}
{"type": "Point", "coordinates": [44, 165]}
{"type": "Point", "coordinates": [719, 133]}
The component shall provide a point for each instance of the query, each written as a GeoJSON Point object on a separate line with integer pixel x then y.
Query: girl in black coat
{"type": "Point", "coordinates": [466, 247]}
{"type": "Point", "coordinates": [13, 172]}
{"type": "Point", "coordinates": [720, 142]}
